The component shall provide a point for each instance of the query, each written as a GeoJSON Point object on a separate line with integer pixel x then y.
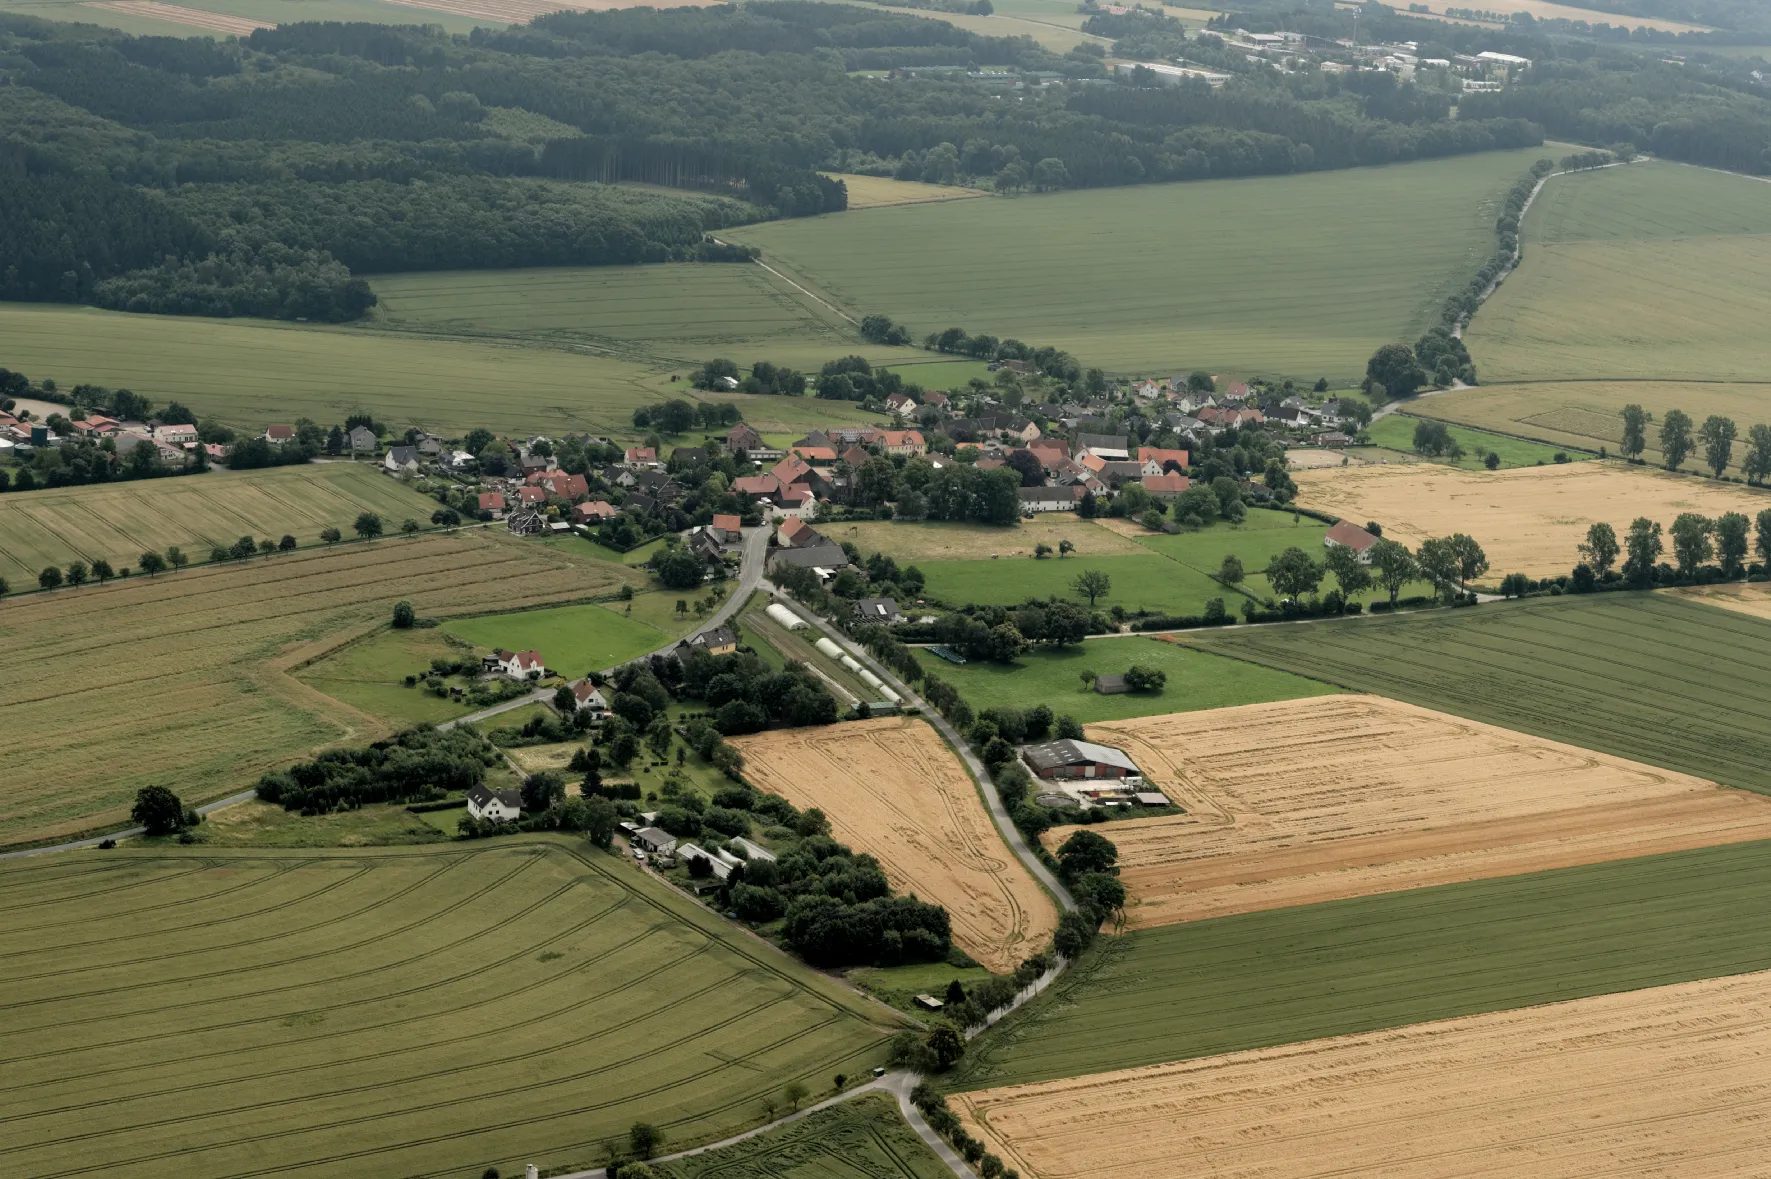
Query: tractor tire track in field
{"type": "Point", "coordinates": [207, 898]}
{"type": "Point", "coordinates": [242, 970]}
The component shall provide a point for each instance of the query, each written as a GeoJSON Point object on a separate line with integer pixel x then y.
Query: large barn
{"type": "Point", "coordinates": [1067, 759]}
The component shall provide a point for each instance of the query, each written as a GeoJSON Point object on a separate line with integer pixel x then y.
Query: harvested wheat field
{"type": "Point", "coordinates": [1530, 520]}
{"type": "Point", "coordinates": [1340, 796]}
{"type": "Point", "coordinates": [1741, 597]}
{"type": "Point", "coordinates": [183, 680]}
{"type": "Point", "coordinates": [1671, 1080]}
{"type": "Point", "coordinates": [893, 789]}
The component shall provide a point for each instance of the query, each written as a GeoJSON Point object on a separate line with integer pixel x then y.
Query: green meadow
{"type": "Point", "coordinates": [1299, 276]}
{"type": "Point", "coordinates": [370, 675]}
{"type": "Point", "coordinates": [1287, 975]}
{"type": "Point", "coordinates": [1396, 432]}
{"type": "Point", "coordinates": [1647, 676]}
{"type": "Point", "coordinates": [574, 640]}
{"type": "Point", "coordinates": [865, 1137]}
{"type": "Point", "coordinates": [329, 1014]}
{"type": "Point", "coordinates": [1655, 271]}
{"type": "Point", "coordinates": [1196, 680]}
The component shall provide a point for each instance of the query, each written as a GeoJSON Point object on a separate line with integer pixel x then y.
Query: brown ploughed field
{"type": "Point", "coordinates": [1339, 796]}
{"type": "Point", "coordinates": [893, 789]}
{"type": "Point", "coordinates": [1529, 520]}
{"type": "Point", "coordinates": [1671, 1081]}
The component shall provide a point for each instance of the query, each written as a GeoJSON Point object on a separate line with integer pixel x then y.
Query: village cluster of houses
{"type": "Point", "coordinates": [176, 443]}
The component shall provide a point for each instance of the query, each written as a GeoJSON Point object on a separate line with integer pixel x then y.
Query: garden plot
{"type": "Point", "coordinates": [1530, 520]}
{"type": "Point", "coordinates": [1672, 1080]}
{"type": "Point", "coordinates": [1340, 796]}
{"type": "Point", "coordinates": [892, 788]}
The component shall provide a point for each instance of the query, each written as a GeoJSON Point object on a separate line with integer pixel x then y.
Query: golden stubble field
{"type": "Point", "coordinates": [1741, 597]}
{"type": "Point", "coordinates": [1339, 796]}
{"type": "Point", "coordinates": [1665, 1081]}
{"type": "Point", "coordinates": [908, 542]}
{"type": "Point", "coordinates": [892, 788]}
{"type": "Point", "coordinates": [1529, 520]}
{"type": "Point", "coordinates": [182, 680]}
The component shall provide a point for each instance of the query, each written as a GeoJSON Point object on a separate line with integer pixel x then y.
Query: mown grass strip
{"type": "Point", "coordinates": [1288, 975]}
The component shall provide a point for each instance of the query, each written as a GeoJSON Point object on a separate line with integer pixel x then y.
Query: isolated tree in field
{"type": "Point", "coordinates": [1145, 679]}
{"type": "Point", "coordinates": [1392, 566]}
{"type": "Point", "coordinates": [176, 558]}
{"type": "Point", "coordinates": [1691, 540]}
{"type": "Point", "coordinates": [102, 570]}
{"type": "Point", "coordinates": [287, 544]}
{"type": "Point", "coordinates": [1092, 584]}
{"type": "Point", "coordinates": [1041, 551]}
{"type": "Point", "coordinates": [1491, 460]}
{"type": "Point", "coordinates": [409, 526]}
{"type": "Point", "coordinates": [1472, 562]}
{"type": "Point", "coordinates": [1293, 574]}
{"type": "Point", "coordinates": [1231, 572]}
{"type": "Point", "coordinates": [218, 554]}
{"type": "Point", "coordinates": [1636, 421]}
{"type": "Point", "coordinates": [77, 573]}
{"type": "Point", "coordinates": [1394, 367]}
{"type": "Point", "coordinates": [1437, 561]}
{"type": "Point", "coordinates": [1675, 438]}
{"type": "Point", "coordinates": [331, 535]}
{"type": "Point", "coordinates": [404, 616]}
{"type": "Point", "coordinates": [1600, 549]}
{"type": "Point", "coordinates": [267, 546]}
{"type": "Point", "coordinates": [1065, 548]}
{"type": "Point", "coordinates": [1349, 573]}
{"type": "Point", "coordinates": [645, 1139]}
{"type": "Point", "coordinates": [243, 548]}
{"type": "Point", "coordinates": [158, 809]}
{"type": "Point", "coordinates": [1717, 433]}
{"type": "Point", "coordinates": [1732, 538]}
{"type": "Point", "coordinates": [794, 1093]}
{"type": "Point", "coordinates": [49, 578]}
{"type": "Point", "coordinates": [151, 563]}
{"type": "Point", "coordinates": [1642, 547]}
{"type": "Point", "coordinates": [1762, 535]}
{"type": "Point", "coordinates": [1087, 676]}
{"type": "Point", "coordinates": [1756, 463]}
{"type": "Point", "coordinates": [1086, 852]}
{"type": "Point", "coordinates": [1432, 438]}
{"type": "Point", "coordinates": [368, 526]}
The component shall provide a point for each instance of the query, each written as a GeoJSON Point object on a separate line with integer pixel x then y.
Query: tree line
{"type": "Point", "coordinates": [1679, 437]}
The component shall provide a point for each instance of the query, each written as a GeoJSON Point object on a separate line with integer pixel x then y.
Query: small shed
{"type": "Point", "coordinates": [655, 840]}
{"type": "Point", "coordinates": [929, 1003]}
{"type": "Point", "coordinates": [1111, 685]}
{"type": "Point", "coordinates": [1151, 798]}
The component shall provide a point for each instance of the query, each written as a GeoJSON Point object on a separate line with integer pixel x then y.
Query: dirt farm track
{"type": "Point", "coordinates": [1339, 796]}
{"type": "Point", "coordinates": [1669, 1081]}
{"type": "Point", "coordinates": [892, 788]}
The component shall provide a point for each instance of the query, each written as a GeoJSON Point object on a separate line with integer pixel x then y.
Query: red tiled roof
{"type": "Point", "coordinates": [756, 484]}
{"type": "Point", "coordinates": [1351, 535]}
{"type": "Point", "coordinates": [1165, 484]}
{"type": "Point", "coordinates": [531, 495]}
{"type": "Point", "coordinates": [1163, 457]}
{"type": "Point", "coordinates": [491, 501]}
{"type": "Point", "coordinates": [727, 523]}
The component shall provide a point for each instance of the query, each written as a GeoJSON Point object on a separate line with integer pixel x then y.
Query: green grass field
{"type": "Point", "coordinates": [1286, 975]}
{"type": "Point", "coordinates": [120, 521]}
{"type": "Point", "coordinates": [252, 1013]}
{"type": "Point", "coordinates": [1655, 271]}
{"type": "Point", "coordinates": [864, 1138]}
{"type": "Point", "coordinates": [1659, 679]}
{"type": "Point", "coordinates": [1054, 678]}
{"type": "Point", "coordinates": [574, 640]}
{"type": "Point", "coordinates": [1298, 276]}
{"type": "Point", "coordinates": [944, 374]}
{"type": "Point", "coordinates": [370, 675]}
{"type": "Point", "coordinates": [1396, 432]}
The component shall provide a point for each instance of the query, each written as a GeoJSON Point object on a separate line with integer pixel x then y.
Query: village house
{"type": "Point", "coordinates": [1165, 486]}
{"type": "Point", "coordinates": [1349, 535]}
{"type": "Point", "coordinates": [401, 460]}
{"type": "Point", "coordinates": [1149, 390]}
{"type": "Point", "coordinates": [277, 435]}
{"type": "Point", "coordinates": [1050, 453]}
{"type": "Point", "coordinates": [906, 442]}
{"type": "Point", "coordinates": [1332, 438]}
{"type": "Point", "coordinates": [97, 425]}
{"type": "Point", "coordinates": [881, 610]}
{"type": "Point", "coordinates": [796, 502]}
{"type": "Point", "coordinates": [498, 806]}
{"type": "Point", "coordinates": [816, 456]}
{"type": "Point", "coordinates": [640, 456]}
{"type": "Point", "coordinates": [517, 665]}
{"type": "Point", "coordinates": [180, 433]}
{"type": "Point", "coordinates": [744, 437]}
{"type": "Point", "coordinates": [362, 440]}
{"type": "Point", "coordinates": [1156, 461]}
{"type": "Point", "coordinates": [590, 699]}
{"type": "Point", "coordinates": [718, 641]}
{"type": "Point", "coordinates": [493, 502]}
{"type": "Point", "coordinates": [1063, 498]}
{"type": "Point", "coordinates": [528, 496]}
{"type": "Point", "coordinates": [900, 404]}
{"type": "Point", "coordinates": [729, 524]}
{"type": "Point", "coordinates": [823, 558]}
{"type": "Point", "coordinates": [592, 512]}
{"type": "Point", "coordinates": [654, 841]}
{"type": "Point", "coordinates": [856, 457]}
{"type": "Point", "coordinates": [797, 534]}
{"type": "Point", "coordinates": [1111, 447]}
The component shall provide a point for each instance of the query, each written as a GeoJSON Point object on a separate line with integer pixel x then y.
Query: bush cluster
{"type": "Point", "coordinates": [417, 765]}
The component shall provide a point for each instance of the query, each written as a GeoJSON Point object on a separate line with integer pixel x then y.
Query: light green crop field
{"type": "Point", "coordinates": [1396, 432]}
{"type": "Point", "coordinates": [1654, 271]}
{"type": "Point", "coordinates": [1586, 413]}
{"type": "Point", "coordinates": [1656, 678]}
{"type": "Point", "coordinates": [120, 521]}
{"type": "Point", "coordinates": [864, 1138]}
{"type": "Point", "coordinates": [1196, 680]}
{"type": "Point", "coordinates": [231, 1013]}
{"type": "Point", "coordinates": [574, 640]}
{"type": "Point", "coordinates": [681, 313]}
{"type": "Point", "coordinates": [1298, 276]}
{"type": "Point", "coordinates": [1288, 975]}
